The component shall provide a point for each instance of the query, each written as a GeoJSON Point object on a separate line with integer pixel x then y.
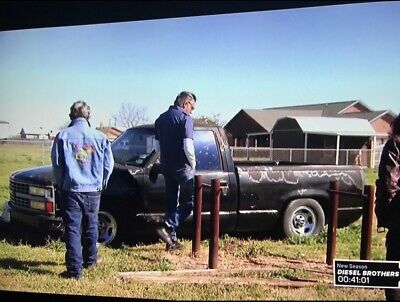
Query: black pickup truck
{"type": "Point", "coordinates": [268, 196]}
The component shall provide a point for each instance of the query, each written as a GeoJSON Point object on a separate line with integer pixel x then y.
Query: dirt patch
{"type": "Point", "coordinates": [265, 269]}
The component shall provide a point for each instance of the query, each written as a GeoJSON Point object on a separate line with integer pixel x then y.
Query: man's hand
{"type": "Point", "coordinates": [154, 171]}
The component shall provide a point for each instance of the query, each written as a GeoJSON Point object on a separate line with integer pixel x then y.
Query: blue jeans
{"type": "Point", "coordinates": [80, 213]}
{"type": "Point", "coordinates": [179, 186]}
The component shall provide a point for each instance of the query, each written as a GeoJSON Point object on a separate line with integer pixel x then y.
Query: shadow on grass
{"type": "Point", "coordinates": [151, 237]}
{"type": "Point", "coordinates": [18, 234]}
{"type": "Point", "coordinates": [31, 266]}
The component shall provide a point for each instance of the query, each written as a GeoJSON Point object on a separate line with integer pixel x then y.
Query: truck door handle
{"type": "Point", "coordinates": [224, 187]}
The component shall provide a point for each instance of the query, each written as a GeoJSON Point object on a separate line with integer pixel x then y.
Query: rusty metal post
{"type": "Point", "coordinates": [332, 226]}
{"type": "Point", "coordinates": [215, 201]}
{"type": "Point", "coordinates": [366, 228]}
{"type": "Point", "coordinates": [198, 202]}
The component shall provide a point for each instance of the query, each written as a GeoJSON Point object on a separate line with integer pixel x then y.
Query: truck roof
{"type": "Point", "coordinates": [196, 126]}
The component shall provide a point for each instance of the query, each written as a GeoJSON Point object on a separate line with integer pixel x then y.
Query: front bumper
{"type": "Point", "coordinates": [42, 222]}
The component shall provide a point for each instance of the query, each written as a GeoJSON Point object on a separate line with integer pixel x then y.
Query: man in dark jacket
{"type": "Point", "coordinates": [174, 142]}
{"type": "Point", "coordinates": [387, 202]}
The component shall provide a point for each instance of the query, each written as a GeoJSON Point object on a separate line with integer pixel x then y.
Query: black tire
{"type": "Point", "coordinates": [110, 231]}
{"type": "Point", "coordinates": [303, 217]}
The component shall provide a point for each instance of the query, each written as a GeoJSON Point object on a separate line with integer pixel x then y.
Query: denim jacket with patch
{"type": "Point", "coordinates": [82, 158]}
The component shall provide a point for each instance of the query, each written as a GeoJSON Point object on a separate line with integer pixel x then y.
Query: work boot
{"type": "Point", "coordinates": [92, 265]}
{"type": "Point", "coordinates": [164, 233]}
{"type": "Point", "coordinates": [68, 275]}
{"type": "Point", "coordinates": [176, 246]}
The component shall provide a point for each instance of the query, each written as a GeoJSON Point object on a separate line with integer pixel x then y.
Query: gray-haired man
{"type": "Point", "coordinates": [82, 164]}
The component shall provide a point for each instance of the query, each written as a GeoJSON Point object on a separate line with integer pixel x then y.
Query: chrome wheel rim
{"type": "Point", "coordinates": [304, 221]}
{"type": "Point", "coordinates": [107, 228]}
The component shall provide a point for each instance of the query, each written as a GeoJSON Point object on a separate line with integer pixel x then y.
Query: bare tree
{"type": "Point", "coordinates": [130, 115]}
{"type": "Point", "coordinates": [209, 121]}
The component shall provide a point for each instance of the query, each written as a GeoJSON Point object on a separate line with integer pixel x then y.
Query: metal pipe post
{"type": "Point", "coordinates": [366, 228]}
{"type": "Point", "coordinates": [198, 202]}
{"type": "Point", "coordinates": [332, 227]}
{"type": "Point", "coordinates": [215, 201]}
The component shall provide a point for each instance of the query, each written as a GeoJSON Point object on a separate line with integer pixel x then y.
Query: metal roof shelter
{"type": "Point", "coordinates": [254, 123]}
{"type": "Point", "coordinates": [332, 126]}
{"type": "Point", "coordinates": [328, 109]}
{"type": "Point", "coordinates": [268, 119]}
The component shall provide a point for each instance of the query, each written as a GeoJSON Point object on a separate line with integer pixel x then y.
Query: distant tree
{"type": "Point", "coordinates": [203, 120]}
{"type": "Point", "coordinates": [130, 115]}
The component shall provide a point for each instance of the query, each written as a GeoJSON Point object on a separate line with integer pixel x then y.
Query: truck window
{"type": "Point", "coordinates": [207, 154]}
{"type": "Point", "coordinates": [133, 145]}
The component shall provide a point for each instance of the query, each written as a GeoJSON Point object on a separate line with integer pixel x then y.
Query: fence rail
{"type": "Point", "coordinates": [361, 157]}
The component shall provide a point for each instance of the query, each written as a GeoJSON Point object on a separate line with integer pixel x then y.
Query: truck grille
{"type": "Point", "coordinates": [21, 197]}
{"type": "Point", "coordinates": [19, 193]}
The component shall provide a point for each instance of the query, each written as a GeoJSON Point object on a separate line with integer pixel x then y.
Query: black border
{"type": "Point", "coordinates": [16, 15]}
{"type": "Point", "coordinates": [50, 13]}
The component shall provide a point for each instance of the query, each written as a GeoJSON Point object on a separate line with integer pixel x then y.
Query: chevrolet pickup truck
{"type": "Point", "coordinates": [270, 196]}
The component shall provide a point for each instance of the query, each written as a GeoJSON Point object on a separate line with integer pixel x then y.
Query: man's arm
{"type": "Point", "coordinates": [389, 172]}
{"type": "Point", "coordinates": [188, 147]}
{"type": "Point", "coordinates": [57, 161]}
{"type": "Point", "coordinates": [387, 183]}
{"type": "Point", "coordinates": [157, 146]}
{"type": "Point", "coordinates": [108, 164]}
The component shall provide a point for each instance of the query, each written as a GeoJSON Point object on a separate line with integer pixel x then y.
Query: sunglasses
{"type": "Point", "coordinates": [191, 105]}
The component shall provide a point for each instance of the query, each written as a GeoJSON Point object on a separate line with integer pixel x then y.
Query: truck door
{"type": "Point", "coordinates": [210, 164]}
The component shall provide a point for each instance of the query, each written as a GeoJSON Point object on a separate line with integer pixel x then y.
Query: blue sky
{"type": "Point", "coordinates": [231, 61]}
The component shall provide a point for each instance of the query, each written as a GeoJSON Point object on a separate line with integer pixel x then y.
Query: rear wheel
{"type": "Point", "coordinates": [303, 217]}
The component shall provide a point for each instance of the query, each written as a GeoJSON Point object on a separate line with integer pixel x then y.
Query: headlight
{"type": "Point", "coordinates": [39, 205]}
{"type": "Point", "coordinates": [37, 191]}
{"type": "Point", "coordinates": [44, 192]}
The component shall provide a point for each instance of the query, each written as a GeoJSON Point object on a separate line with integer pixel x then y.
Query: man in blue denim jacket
{"type": "Point", "coordinates": [174, 142]}
{"type": "Point", "coordinates": [82, 164]}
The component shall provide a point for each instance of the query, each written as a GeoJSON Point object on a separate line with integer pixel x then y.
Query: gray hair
{"type": "Point", "coordinates": [184, 96]}
{"type": "Point", "coordinates": [79, 109]}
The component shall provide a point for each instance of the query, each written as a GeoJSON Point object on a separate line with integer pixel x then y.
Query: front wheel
{"type": "Point", "coordinates": [303, 217]}
{"type": "Point", "coordinates": [108, 228]}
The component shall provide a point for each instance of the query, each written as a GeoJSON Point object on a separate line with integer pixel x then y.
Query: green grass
{"type": "Point", "coordinates": [30, 268]}
{"type": "Point", "coordinates": [14, 157]}
{"type": "Point", "coordinates": [34, 268]}
{"type": "Point", "coordinates": [370, 176]}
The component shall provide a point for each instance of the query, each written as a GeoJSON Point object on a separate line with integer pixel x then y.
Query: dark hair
{"type": "Point", "coordinates": [79, 109]}
{"type": "Point", "coordinates": [395, 126]}
{"type": "Point", "coordinates": [184, 96]}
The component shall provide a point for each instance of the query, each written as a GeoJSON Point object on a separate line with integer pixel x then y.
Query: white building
{"type": "Point", "coordinates": [4, 129]}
